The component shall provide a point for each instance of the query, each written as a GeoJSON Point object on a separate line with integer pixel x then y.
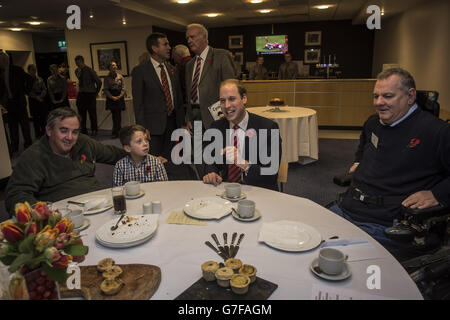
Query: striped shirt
{"type": "Point", "coordinates": [149, 170]}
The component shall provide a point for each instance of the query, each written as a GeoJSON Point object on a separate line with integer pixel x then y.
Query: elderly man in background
{"type": "Point", "coordinates": [204, 73]}
{"type": "Point", "coordinates": [181, 55]}
{"type": "Point", "coordinates": [60, 165]}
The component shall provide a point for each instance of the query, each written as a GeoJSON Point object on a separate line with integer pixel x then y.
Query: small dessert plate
{"type": "Point", "coordinates": [331, 277]}
{"type": "Point", "coordinates": [140, 194]}
{"type": "Point", "coordinates": [235, 199]}
{"type": "Point", "coordinates": [85, 225]}
{"type": "Point", "coordinates": [256, 216]}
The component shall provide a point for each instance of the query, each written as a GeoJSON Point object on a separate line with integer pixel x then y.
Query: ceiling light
{"type": "Point", "coordinates": [322, 7]}
{"type": "Point", "coordinates": [265, 10]}
{"type": "Point", "coordinates": [183, 1]}
{"type": "Point", "coordinates": [16, 29]}
{"type": "Point", "coordinates": [91, 14]}
{"type": "Point", "coordinates": [124, 21]}
{"type": "Point", "coordinates": [34, 23]}
{"type": "Point", "coordinates": [255, 1]}
{"type": "Point", "coordinates": [212, 15]}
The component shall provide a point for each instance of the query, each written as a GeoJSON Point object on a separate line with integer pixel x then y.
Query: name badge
{"type": "Point", "coordinates": [374, 140]}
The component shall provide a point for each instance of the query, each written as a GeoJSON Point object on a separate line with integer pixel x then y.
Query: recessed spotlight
{"type": "Point", "coordinates": [16, 29]}
{"type": "Point", "coordinates": [212, 15]}
{"type": "Point", "coordinates": [34, 23]}
{"type": "Point", "coordinates": [322, 7]}
{"type": "Point", "coordinates": [265, 11]}
{"type": "Point", "coordinates": [124, 21]}
{"type": "Point", "coordinates": [255, 1]}
{"type": "Point", "coordinates": [183, 1]}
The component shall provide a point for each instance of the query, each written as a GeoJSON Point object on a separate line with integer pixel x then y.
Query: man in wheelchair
{"type": "Point", "coordinates": [400, 192]}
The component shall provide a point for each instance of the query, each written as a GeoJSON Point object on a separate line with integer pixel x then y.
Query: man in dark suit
{"type": "Point", "coordinates": [204, 73]}
{"type": "Point", "coordinates": [247, 158]}
{"type": "Point", "coordinates": [15, 84]}
{"type": "Point", "coordinates": [157, 97]}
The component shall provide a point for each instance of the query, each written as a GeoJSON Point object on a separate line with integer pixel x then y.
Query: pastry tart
{"type": "Point", "coordinates": [105, 264]}
{"type": "Point", "coordinates": [234, 264]}
{"type": "Point", "coordinates": [112, 273]}
{"type": "Point", "coordinates": [239, 283]}
{"type": "Point", "coordinates": [111, 287]}
{"type": "Point", "coordinates": [249, 271]}
{"type": "Point", "coordinates": [223, 276]}
{"type": "Point", "coordinates": [209, 269]}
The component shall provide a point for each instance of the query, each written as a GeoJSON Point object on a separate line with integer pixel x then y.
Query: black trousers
{"type": "Point", "coordinates": [116, 120]}
{"type": "Point", "coordinates": [17, 115]}
{"type": "Point", "coordinates": [87, 103]}
{"type": "Point", "coordinates": [39, 112]}
{"type": "Point", "coordinates": [161, 145]}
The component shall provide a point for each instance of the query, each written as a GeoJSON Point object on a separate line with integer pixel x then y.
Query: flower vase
{"type": "Point", "coordinates": [40, 286]}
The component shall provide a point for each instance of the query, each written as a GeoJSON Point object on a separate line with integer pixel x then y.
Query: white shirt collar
{"type": "Point", "coordinates": [411, 110]}
{"type": "Point", "coordinates": [204, 54]}
{"type": "Point", "coordinates": [155, 63]}
{"type": "Point", "coordinates": [243, 124]}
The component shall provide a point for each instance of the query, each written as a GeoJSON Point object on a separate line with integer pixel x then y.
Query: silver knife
{"type": "Point", "coordinates": [82, 204]}
{"type": "Point", "coordinates": [236, 249]}
{"type": "Point", "coordinates": [222, 249]}
{"type": "Point", "coordinates": [232, 243]}
{"type": "Point", "coordinates": [227, 248]}
{"type": "Point", "coordinates": [209, 244]}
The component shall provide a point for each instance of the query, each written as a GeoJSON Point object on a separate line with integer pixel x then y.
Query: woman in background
{"type": "Point", "coordinates": [57, 89]}
{"type": "Point", "coordinates": [114, 88]}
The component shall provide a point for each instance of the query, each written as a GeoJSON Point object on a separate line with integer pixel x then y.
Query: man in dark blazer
{"type": "Point", "coordinates": [245, 159]}
{"type": "Point", "coordinates": [214, 65]}
{"type": "Point", "coordinates": [15, 84]}
{"type": "Point", "coordinates": [157, 97]}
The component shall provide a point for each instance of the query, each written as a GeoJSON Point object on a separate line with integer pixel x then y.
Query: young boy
{"type": "Point", "coordinates": [138, 165]}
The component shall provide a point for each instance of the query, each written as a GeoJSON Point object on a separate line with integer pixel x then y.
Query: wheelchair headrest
{"type": "Point", "coordinates": [427, 100]}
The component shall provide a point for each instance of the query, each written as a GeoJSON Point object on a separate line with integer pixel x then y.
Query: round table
{"type": "Point", "coordinates": [298, 129]}
{"type": "Point", "coordinates": [179, 250]}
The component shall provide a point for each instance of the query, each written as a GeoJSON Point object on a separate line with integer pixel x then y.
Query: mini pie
{"type": "Point", "coordinates": [239, 283]}
{"type": "Point", "coordinates": [209, 269]}
{"type": "Point", "coordinates": [249, 271]}
{"type": "Point", "coordinates": [105, 264]}
{"type": "Point", "coordinates": [111, 287]}
{"type": "Point", "coordinates": [223, 276]}
{"type": "Point", "coordinates": [112, 273]}
{"type": "Point", "coordinates": [234, 264]}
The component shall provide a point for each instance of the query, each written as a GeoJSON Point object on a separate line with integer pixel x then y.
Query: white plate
{"type": "Point", "coordinates": [207, 208]}
{"type": "Point", "coordinates": [128, 232]}
{"type": "Point", "coordinates": [337, 277]}
{"type": "Point", "coordinates": [140, 194]}
{"type": "Point", "coordinates": [124, 245]}
{"type": "Point", "coordinates": [85, 225]}
{"type": "Point", "coordinates": [256, 216]}
{"type": "Point", "coordinates": [224, 196]}
{"type": "Point", "coordinates": [103, 208]}
{"type": "Point", "coordinates": [291, 236]}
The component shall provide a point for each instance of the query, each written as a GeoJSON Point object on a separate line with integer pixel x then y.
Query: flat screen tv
{"type": "Point", "coordinates": [274, 44]}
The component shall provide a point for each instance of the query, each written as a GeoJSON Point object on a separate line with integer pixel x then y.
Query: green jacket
{"type": "Point", "coordinates": [41, 175]}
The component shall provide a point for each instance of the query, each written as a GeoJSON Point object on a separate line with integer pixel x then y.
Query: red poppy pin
{"type": "Point", "coordinates": [83, 159]}
{"type": "Point", "coordinates": [148, 169]}
{"type": "Point", "coordinates": [208, 61]}
{"type": "Point", "coordinates": [172, 72]}
{"type": "Point", "coordinates": [414, 142]}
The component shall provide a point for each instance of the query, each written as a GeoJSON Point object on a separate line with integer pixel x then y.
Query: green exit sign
{"type": "Point", "coordinates": [61, 44]}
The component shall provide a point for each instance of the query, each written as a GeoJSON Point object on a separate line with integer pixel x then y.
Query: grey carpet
{"type": "Point", "coordinates": [313, 181]}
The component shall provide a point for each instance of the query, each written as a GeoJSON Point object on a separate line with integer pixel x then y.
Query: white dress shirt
{"type": "Point", "coordinates": [203, 56]}
{"type": "Point", "coordinates": [158, 72]}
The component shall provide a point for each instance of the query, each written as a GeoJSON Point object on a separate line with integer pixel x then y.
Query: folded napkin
{"type": "Point", "coordinates": [95, 204]}
{"type": "Point", "coordinates": [178, 217]}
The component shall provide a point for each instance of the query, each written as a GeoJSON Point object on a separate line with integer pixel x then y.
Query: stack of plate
{"type": "Point", "coordinates": [132, 231]}
{"type": "Point", "coordinates": [208, 208]}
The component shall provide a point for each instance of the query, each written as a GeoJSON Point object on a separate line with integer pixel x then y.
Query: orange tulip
{"type": "Point", "coordinates": [63, 262]}
{"type": "Point", "coordinates": [23, 212]}
{"type": "Point", "coordinates": [11, 231]}
{"type": "Point", "coordinates": [33, 228]}
{"type": "Point", "coordinates": [40, 211]}
{"type": "Point", "coordinates": [64, 225]}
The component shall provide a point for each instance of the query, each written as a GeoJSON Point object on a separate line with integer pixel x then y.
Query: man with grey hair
{"type": "Point", "coordinates": [14, 84]}
{"type": "Point", "coordinates": [181, 55]}
{"type": "Point", "coordinates": [204, 73]}
{"type": "Point", "coordinates": [403, 160]}
{"type": "Point", "coordinates": [60, 165]}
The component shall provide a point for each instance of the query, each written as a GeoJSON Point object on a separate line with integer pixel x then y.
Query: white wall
{"type": "Point", "coordinates": [78, 43]}
{"type": "Point", "coordinates": [418, 40]}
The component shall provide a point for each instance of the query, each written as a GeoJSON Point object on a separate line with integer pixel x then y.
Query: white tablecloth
{"type": "Point", "coordinates": [104, 117]}
{"type": "Point", "coordinates": [179, 250]}
{"type": "Point", "coordinates": [299, 132]}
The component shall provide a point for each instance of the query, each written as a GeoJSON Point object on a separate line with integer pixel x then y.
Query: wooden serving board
{"type": "Point", "coordinates": [209, 290]}
{"type": "Point", "coordinates": [141, 282]}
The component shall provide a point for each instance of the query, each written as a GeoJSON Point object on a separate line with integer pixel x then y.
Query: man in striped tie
{"type": "Point", "coordinates": [157, 97]}
{"type": "Point", "coordinates": [250, 144]}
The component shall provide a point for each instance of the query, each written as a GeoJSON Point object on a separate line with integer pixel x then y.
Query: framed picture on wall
{"type": "Point", "coordinates": [312, 56]}
{"type": "Point", "coordinates": [239, 57]}
{"type": "Point", "coordinates": [103, 53]}
{"type": "Point", "coordinates": [236, 42]}
{"type": "Point", "coordinates": [313, 38]}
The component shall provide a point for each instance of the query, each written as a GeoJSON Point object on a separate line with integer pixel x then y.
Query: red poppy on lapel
{"type": "Point", "coordinates": [208, 61]}
{"type": "Point", "coordinates": [414, 142]}
{"type": "Point", "coordinates": [148, 169]}
{"type": "Point", "coordinates": [83, 158]}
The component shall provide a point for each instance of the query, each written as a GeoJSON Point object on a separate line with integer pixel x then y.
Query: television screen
{"type": "Point", "coordinates": [272, 44]}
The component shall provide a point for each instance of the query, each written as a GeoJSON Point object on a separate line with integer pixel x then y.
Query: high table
{"type": "Point", "coordinates": [104, 118]}
{"type": "Point", "coordinates": [298, 129]}
{"type": "Point", "coordinates": [179, 250]}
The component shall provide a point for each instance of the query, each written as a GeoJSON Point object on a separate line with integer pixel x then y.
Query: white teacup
{"type": "Point", "coordinates": [331, 261]}
{"type": "Point", "coordinates": [132, 188]}
{"type": "Point", "coordinates": [233, 190]}
{"type": "Point", "coordinates": [246, 208]}
{"type": "Point", "coordinates": [77, 217]}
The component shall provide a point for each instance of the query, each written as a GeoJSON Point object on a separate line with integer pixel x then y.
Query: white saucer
{"type": "Point", "coordinates": [256, 216]}
{"type": "Point", "coordinates": [224, 196]}
{"type": "Point", "coordinates": [85, 225]}
{"type": "Point", "coordinates": [337, 277]}
{"type": "Point", "coordinates": [140, 194]}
